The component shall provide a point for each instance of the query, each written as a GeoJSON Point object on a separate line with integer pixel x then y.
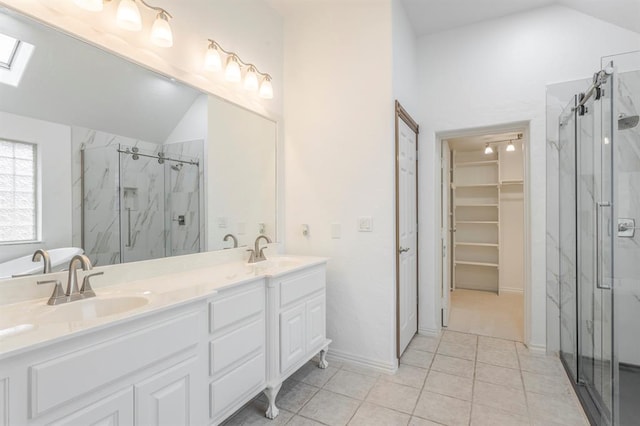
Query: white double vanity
{"type": "Point", "coordinates": [177, 341]}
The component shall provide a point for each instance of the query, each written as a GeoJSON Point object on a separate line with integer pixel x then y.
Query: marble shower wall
{"type": "Point", "coordinates": [184, 196]}
{"type": "Point", "coordinates": [560, 266]}
{"type": "Point", "coordinates": [143, 229]}
{"type": "Point", "coordinates": [627, 205]}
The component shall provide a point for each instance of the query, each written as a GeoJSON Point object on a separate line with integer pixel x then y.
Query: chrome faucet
{"type": "Point", "coordinates": [233, 237]}
{"type": "Point", "coordinates": [73, 293]}
{"type": "Point", "coordinates": [257, 254]}
{"type": "Point", "coordinates": [39, 255]}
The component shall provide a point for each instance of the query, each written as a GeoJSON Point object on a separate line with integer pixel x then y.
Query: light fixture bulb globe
{"type": "Point", "coordinates": [251, 80]}
{"type": "Point", "coordinates": [128, 16]}
{"type": "Point", "coordinates": [232, 71]}
{"type": "Point", "coordinates": [266, 89]}
{"type": "Point", "coordinates": [488, 149]}
{"type": "Point", "coordinates": [212, 60]}
{"type": "Point", "coordinates": [161, 34]}
{"type": "Point", "coordinates": [511, 147]}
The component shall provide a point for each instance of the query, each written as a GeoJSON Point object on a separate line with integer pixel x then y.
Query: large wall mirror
{"type": "Point", "coordinates": [99, 153]}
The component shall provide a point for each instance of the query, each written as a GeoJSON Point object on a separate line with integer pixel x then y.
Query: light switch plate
{"type": "Point", "coordinates": [336, 230]}
{"type": "Point", "coordinates": [305, 230]}
{"type": "Point", "coordinates": [365, 224]}
{"type": "Point", "coordinates": [222, 222]}
{"type": "Point", "coordinates": [242, 228]}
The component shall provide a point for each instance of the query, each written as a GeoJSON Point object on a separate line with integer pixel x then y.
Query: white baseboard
{"type": "Point", "coordinates": [511, 290]}
{"type": "Point", "coordinates": [430, 332]}
{"type": "Point", "coordinates": [340, 356]}
{"type": "Point", "coordinates": [538, 349]}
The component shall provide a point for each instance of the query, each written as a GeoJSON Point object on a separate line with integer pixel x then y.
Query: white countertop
{"type": "Point", "coordinates": [27, 324]}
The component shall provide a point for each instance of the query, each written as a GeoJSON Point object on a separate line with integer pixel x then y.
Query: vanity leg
{"type": "Point", "coordinates": [323, 359]}
{"type": "Point", "coordinates": [271, 393]}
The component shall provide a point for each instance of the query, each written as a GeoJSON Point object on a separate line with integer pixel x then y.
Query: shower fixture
{"type": "Point", "coordinates": [627, 122]}
{"type": "Point", "coordinates": [177, 167]}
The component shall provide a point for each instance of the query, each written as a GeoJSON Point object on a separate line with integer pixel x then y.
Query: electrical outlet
{"type": "Point", "coordinates": [365, 224]}
{"type": "Point", "coordinates": [222, 222]}
{"type": "Point", "coordinates": [336, 231]}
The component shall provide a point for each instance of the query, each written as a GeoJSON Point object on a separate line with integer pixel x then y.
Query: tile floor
{"type": "Point", "coordinates": [487, 314]}
{"type": "Point", "coordinates": [459, 379]}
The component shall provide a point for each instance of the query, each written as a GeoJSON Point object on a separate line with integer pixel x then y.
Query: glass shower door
{"type": "Point", "coordinates": [594, 250]}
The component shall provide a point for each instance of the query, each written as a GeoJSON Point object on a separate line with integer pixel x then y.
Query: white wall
{"type": "Point", "coordinates": [193, 125]}
{"type": "Point", "coordinates": [339, 165]}
{"type": "Point", "coordinates": [54, 177]}
{"type": "Point", "coordinates": [494, 73]}
{"type": "Point", "coordinates": [249, 27]}
{"type": "Point", "coordinates": [405, 59]}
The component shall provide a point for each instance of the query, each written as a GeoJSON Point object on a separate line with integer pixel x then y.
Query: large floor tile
{"type": "Point", "coordinates": [350, 384]}
{"type": "Point", "coordinates": [548, 365]}
{"type": "Point", "coordinates": [253, 414]}
{"type": "Point", "coordinates": [500, 397]}
{"type": "Point", "coordinates": [551, 408]}
{"type": "Point", "coordinates": [424, 343]}
{"type": "Point", "coordinates": [450, 385]}
{"type": "Point", "coordinates": [417, 421]}
{"type": "Point", "coordinates": [501, 358]}
{"type": "Point", "coordinates": [451, 365]}
{"type": "Point", "coordinates": [495, 343]}
{"type": "Point", "coordinates": [293, 395]}
{"type": "Point", "coordinates": [330, 408]}
{"type": "Point", "coordinates": [443, 409]}
{"type": "Point", "coordinates": [407, 375]}
{"type": "Point", "coordinates": [416, 358]}
{"type": "Point", "coordinates": [461, 338]}
{"type": "Point", "coordinates": [314, 376]}
{"type": "Point", "coordinates": [395, 396]}
{"type": "Point", "coordinates": [373, 415]}
{"type": "Point", "coordinates": [458, 350]}
{"type": "Point", "coordinates": [302, 421]}
{"type": "Point", "coordinates": [545, 384]}
{"type": "Point", "coordinates": [482, 415]}
{"type": "Point", "coordinates": [499, 375]}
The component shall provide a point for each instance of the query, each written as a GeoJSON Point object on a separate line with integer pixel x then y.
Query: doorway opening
{"type": "Point", "coordinates": [483, 233]}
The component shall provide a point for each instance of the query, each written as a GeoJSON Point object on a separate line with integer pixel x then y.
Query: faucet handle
{"type": "Point", "coordinates": [86, 290]}
{"type": "Point", "coordinates": [252, 258]}
{"type": "Point", "coordinates": [58, 295]}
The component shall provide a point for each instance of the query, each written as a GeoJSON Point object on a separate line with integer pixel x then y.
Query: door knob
{"type": "Point", "coordinates": [403, 250]}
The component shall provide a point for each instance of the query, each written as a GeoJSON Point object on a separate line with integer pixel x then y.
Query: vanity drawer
{"type": "Point", "coordinates": [236, 307]}
{"type": "Point", "coordinates": [230, 388]}
{"type": "Point", "coordinates": [107, 362]}
{"type": "Point", "coordinates": [301, 284]}
{"type": "Point", "coordinates": [236, 345]}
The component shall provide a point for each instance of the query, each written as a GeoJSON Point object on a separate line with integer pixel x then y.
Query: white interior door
{"type": "Point", "coordinates": [407, 235]}
{"type": "Point", "coordinates": [445, 232]}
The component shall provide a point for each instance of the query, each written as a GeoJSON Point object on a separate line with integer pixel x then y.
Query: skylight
{"type": "Point", "coordinates": [8, 49]}
{"type": "Point", "coordinates": [14, 57]}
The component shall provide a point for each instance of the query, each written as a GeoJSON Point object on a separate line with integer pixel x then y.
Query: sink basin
{"type": "Point", "coordinates": [93, 308]}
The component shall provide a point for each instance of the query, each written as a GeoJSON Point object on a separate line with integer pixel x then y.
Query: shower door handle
{"type": "Point", "coordinates": [599, 280]}
{"type": "Point", "coordinates": [128, 227]}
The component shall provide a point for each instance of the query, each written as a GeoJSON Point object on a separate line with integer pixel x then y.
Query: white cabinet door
{"type": "Point", "coordinates": [292, 336]}
{"type": "Point", "coordinates": [115, 410]}
{"type": "Point", "coordinates": [164, 399]}
{"type": "Point", "coordinates": [315, 317]}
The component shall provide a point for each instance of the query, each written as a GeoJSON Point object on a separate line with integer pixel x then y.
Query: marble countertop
{"type": "Point", "coordinates": [32, 323]}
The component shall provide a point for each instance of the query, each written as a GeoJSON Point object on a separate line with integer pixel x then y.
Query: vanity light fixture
{"type": "Point", "coordinates": [254, 79]}
{"type": "Point", "coordinates": [511, 147]}
{"type": "Point", "coordinates": [488, 149]}
{"type": "Point", "coordinates": [128, 17]}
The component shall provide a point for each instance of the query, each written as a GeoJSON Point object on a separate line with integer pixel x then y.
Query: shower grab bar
{"type": "Point", "coordinates": [599, 279]}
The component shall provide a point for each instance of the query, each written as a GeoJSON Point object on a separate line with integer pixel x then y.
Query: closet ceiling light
{"type": "Point", "coordinates": [488, 149]}
{"type": "Point", "coordinates": [90, 5]}
{"type": "Point", "coordinates": [606, 140]}
{"type": "Point", "coordinates": [161, 34]}
{"type": "Point", "coordinates": [511, 147]}
{"type": "Point", "coordinates": [128, 16]}
{"type": "Point", "coordinates": [254, 79]}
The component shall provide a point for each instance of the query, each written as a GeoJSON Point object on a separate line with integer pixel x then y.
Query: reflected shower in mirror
{"type": "Point", "coordinates": [129, 164]}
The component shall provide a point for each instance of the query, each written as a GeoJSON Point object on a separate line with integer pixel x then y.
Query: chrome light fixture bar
{"type": "Point", "coordinates": [233, 70]}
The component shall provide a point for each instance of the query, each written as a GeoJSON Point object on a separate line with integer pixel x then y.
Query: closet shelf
{"type": "Point", "coordinates": [477, 222]}
{"type": "Point", "coordinates": [461, 243]}
{"type": "Point", "coordinates": [512, 182]}
{"type": "Point", "coordinates": [476, 163]}
{"type": "Point", "coordinates": [476, 205]}
{"type": "Point", "coordinates": [477, 185]}
{"type": "Point", "coordinates": [463, 262]}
